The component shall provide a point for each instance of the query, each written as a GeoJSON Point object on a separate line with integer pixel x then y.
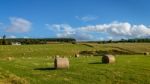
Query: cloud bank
{"type": "Point", "coordinates": [115, 30]}
{"type": "Point", "coordinates": [123, 29]}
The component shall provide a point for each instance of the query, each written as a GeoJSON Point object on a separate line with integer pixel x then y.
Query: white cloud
{"type": "Point", "coordinates": [86, 18]}
{"type": "Point", "coordinates": [77, 35]}
{"type": "Point", "coordinates": [65, 28]}
{"type": "Point", "coordinates": [19, 25]}
{"type": "Point", "coordinates": [114, 30]}
{"type": "Point", "coordinates": [140, 31]}
{"type": "Point", "coordinates": [66, 31]}
{"type": "Point", "coordinates": [120, 29]}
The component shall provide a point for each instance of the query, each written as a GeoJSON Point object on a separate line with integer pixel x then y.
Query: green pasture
{"type": "Point", "coordinates": [33, 64]}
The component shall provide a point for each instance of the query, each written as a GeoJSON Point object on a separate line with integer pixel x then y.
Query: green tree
{"type": "Point", "coordinates": [4, 40]}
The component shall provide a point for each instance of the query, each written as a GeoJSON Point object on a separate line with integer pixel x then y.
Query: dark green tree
{"type": "Point", "coordinates": [4, 40]}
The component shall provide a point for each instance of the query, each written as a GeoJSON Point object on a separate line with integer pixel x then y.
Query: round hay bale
{"type": "Point", "coordinates": [61, 63]}
{"type": "Point", "coordinates": [146, 53]}
{"type": "Point", "coordinates": [77, 55]}
{"type": "Point", "coordinates": [108, 59]}
{"type": "Point", "coordinates": [9, 58]}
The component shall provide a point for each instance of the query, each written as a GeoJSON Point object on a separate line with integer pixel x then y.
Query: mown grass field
{"type": "Point", "coordinates": [33, 64]}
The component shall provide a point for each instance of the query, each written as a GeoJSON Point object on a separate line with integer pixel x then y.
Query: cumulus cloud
{"type": "Point", "coordinates": [86, 18]}
{"type": "Point", "coordinates": [19, 25]}
{"type": "Point", "coordinates": [114, 31]}
{"type": "Point", "coordinates": [120, 29]}
{"type": "Point", "coordinates": [66, 31]}
{"type": "Point", "coordinates": [77, 35]}
{"type": "Point", "coordinates": [63, 28]}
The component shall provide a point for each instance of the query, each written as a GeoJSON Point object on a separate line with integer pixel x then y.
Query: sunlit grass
{"type": "Point", "coordinates": [34, 64]}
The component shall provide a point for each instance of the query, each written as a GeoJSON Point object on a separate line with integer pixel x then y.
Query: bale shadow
{"type": "Point", "coordinates": [44, 69]}
{"type": "Point", "coordinates": [96, 63]}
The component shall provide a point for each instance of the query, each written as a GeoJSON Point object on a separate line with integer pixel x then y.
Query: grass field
{"type": "Point", "coordinates": [33, 64]}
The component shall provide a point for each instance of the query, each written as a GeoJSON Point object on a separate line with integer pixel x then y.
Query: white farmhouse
{"type": "Point", "coordinates": [15, 43]}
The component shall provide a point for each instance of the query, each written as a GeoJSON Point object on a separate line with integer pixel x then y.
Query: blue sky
{"type": "Point", "coordinates": [80, 19]}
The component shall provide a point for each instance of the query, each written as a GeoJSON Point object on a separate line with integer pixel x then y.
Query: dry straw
{"type": "Point", "coordinates": [61, 63]}
{"type": "Point", "coordinates": [108, 59]}
{"type": "Point", "coordinates": [57, 56]}
{"type": "Point", "coordinates": [9, 58]}
{"type": "Point", "coordinates": [146, 53]}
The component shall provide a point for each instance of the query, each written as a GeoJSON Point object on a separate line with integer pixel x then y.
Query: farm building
{"type": "Point", "coordinates": [15, 43]}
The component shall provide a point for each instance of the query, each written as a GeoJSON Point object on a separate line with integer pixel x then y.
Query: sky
{"type": "Point", "coordinates": [84, 20]}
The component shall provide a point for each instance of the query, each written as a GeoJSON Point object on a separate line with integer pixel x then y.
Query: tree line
{"type": "Point", "coordinates": [23, 41]}
{"type": "Point", "coordinates": [135, 40]}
